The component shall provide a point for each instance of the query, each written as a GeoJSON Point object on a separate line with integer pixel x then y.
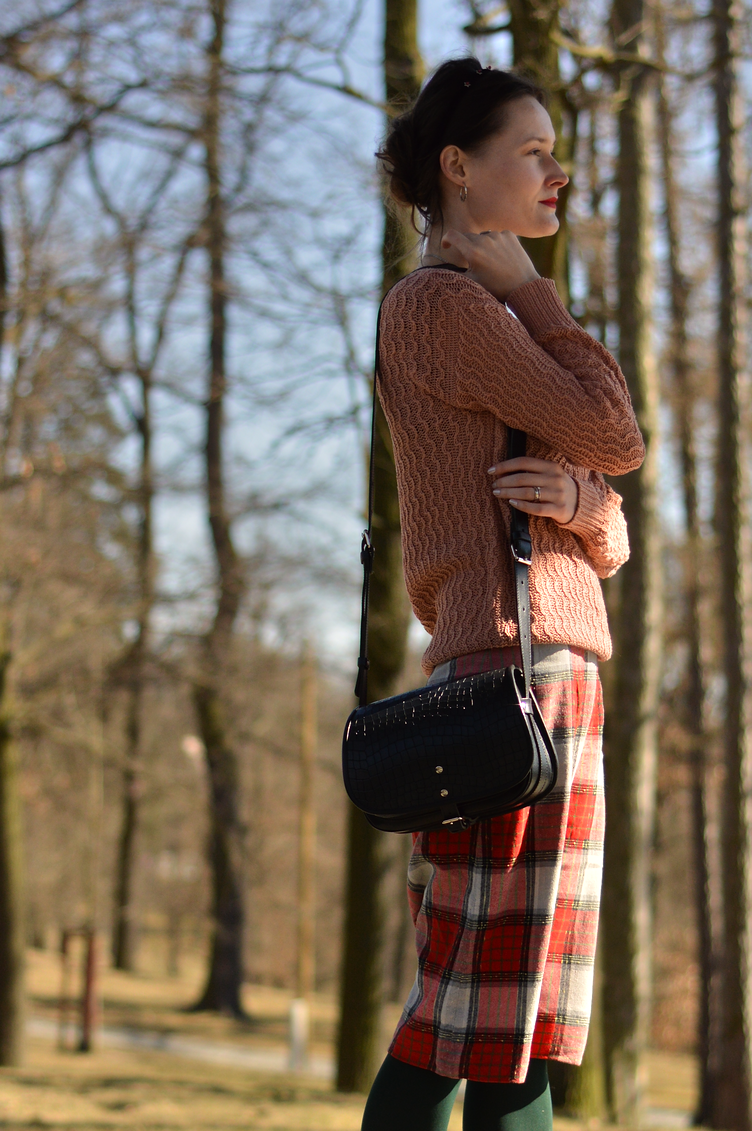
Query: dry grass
{"type": "Point", "coordinates": [155, 1091]}
{"type": "Point", "coordinates": [158, 1003]}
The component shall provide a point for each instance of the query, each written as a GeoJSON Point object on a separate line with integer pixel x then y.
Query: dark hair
{"type": "Point", "coordinates": [462, 104]}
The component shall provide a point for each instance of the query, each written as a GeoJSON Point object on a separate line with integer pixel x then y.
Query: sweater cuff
{"type": "Point", "coordinates": [588, 514]}
{"type": "Point", "coordinates": [539, 308]}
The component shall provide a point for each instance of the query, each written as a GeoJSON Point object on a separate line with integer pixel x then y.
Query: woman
{"type": "Point", "coordinates": [472, 342]}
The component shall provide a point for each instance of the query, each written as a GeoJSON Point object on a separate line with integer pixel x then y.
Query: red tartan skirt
{"type": "Point", "coordinates": [506, 912]}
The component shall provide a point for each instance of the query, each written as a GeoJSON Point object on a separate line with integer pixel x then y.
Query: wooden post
{"type": "Point", "coordinates": [65, 989]}
{"type": "Point", "coordinates": [306, 973]}
{"type": "Point", "coordinates": [306, 927]}
{"type": "Point", "coordinates": [89, 994]}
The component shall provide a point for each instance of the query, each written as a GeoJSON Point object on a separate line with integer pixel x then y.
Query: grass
{"type": "Point", "coordinates": [155, 1091]}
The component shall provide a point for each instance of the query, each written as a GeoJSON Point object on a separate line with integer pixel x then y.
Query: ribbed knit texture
{"type": "Point", "coordinates": [456, 368]}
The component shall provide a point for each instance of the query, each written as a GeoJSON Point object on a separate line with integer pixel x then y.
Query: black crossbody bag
{"type": "Point", "coordinates": [458, 752]}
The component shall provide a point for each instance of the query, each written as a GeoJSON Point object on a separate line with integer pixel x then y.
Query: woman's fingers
{"type": "Point", "coordinates": [462, 242]}
{"type": "Point", "coordinates": [546, 509]}
{"type": "Point", "coordinates": [527, 472]}
{"type": "Point", "coordinates": [524, 463]}
{"type": "Point", "coordinates": [465, 240]}
{"type": "Point", "coordinates": [483, 249]}
{"type": "Point", "coordinates": [538, 487]}
{"type": "Point", "coordinates": [525, 479]}
{"type": "Point", "coordinates": [496, 260]}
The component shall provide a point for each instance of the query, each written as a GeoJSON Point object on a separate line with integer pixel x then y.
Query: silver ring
{"type": "Point", "coordinates": [536, 494]}
{"type": "Point", "coordinates": [489, 232]}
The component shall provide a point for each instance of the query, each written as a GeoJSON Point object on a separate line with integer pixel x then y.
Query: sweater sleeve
{"type": "Point", "coordinates": [539, 371]}
{"type": "Point", "coordinates": [599, 525]}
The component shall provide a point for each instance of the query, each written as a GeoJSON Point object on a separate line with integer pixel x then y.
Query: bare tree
{"type": "Point", "coordinates": [12, 903]}
{"type": "Point", "coordinates": [630, 747]}
{"type": "Point", "coordinates": [56, 79]}
{"type": "Point", "coordinates": [146, 337]}
{"type": "Point", "coordinates": [535, 28]}
{"type": "Point", "coordinates": [222, 990]}
{"type": "Point", "coordinates": [732, 1106]}
{"type": "Point", "coordinates": [11, 876]}
{"type": "Point", "coordinates": [53, 428]}
{"type": "Point", "coordinates": [368, 852]}
{"type": "Point", "coordinates": [684, 400]}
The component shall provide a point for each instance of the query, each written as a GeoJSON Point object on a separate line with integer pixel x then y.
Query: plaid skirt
{"type": "Point", "coordinates": [506, 912]}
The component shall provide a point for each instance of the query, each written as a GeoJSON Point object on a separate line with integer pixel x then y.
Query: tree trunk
{"type": "Point", "coordinates": [3, 284]}
{"type": "Point", "coordinates": [225, 978]}
{"type": "Point", "coordinates": [12, 909]}
{"type": "Point", "coordinates": [536, 54]}
{"type": "Point", "coordinates": [694, 707]}
{"type": "Point", "coordinates": [12, 918]}
{"type": "Point", "coordinates": [585, 1087]}
{"type": "Point", "coordinates": [631, 739]}
{"type": "Point", "coordinates": [733, 1095]}
{"type": "Point", "coordinates": [124, 927]}
{"type": "Point", "coordinates": [369, 851]}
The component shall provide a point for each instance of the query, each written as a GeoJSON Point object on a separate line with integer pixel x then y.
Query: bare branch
{"type": "Point", "coordinates": [35, 25]}
{"type": "Point", "coordinates": [311, 80]}
{"type": "Point", "coordinates": [605, 56]}
{"type": "Point", "coordinates": [79, 126]}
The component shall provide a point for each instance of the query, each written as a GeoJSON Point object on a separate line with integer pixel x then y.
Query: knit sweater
{"type": "Point", "coordinates": [456, 367]}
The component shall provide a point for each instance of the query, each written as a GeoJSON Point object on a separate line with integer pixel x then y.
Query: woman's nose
{"type": "Point", "coordinates": [557, 178]}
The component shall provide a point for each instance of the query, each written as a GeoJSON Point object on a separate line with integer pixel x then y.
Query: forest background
{"type": "Point", "coordinates": [193, 246]}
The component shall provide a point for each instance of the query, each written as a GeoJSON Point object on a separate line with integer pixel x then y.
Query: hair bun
{"type": "Point", "coordinates": [399, 158]}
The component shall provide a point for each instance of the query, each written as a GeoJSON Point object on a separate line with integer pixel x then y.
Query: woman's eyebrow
{"type": "Point", "coordinates": [542, 140]}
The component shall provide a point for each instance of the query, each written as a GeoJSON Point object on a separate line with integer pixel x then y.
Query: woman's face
{"type": "Point", "coordinates": [513, 180]}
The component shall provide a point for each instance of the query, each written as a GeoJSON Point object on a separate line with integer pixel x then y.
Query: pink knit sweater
{"type": "Point", "coordinates": [456, 369]}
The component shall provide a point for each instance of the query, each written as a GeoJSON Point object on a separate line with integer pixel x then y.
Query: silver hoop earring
{"type": "Point", "coordinates": [463, 193]}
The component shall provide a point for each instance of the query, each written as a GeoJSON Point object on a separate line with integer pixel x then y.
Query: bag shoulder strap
{"type": "Point", "coordinates": [367, 550]}
{"type": "Point", "coordinates": [521, 544]}
{"type": "Point", "coordinates": [522, 553]}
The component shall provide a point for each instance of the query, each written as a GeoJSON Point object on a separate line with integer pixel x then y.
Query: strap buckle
{"type": "Point", "coordinates": [518, 557]}
{"type": "Point", "coordinates": [366, 551]}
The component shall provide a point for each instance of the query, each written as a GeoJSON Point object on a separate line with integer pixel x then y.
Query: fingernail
{"type": "Point", "coordinates": [513, 502]}
{"type": "Point", "coordinates": [497, 492]}
{"type": "Point", "coordinates": [491, 470]}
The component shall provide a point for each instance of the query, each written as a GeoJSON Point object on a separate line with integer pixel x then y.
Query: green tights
{"type": "Point", "coordinates": [405, 1098]}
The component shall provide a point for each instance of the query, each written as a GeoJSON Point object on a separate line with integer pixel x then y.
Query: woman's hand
{"type": "Point", "coordinates": [516, 480]}
{"type": "Point", "coordinates": [496, 260]}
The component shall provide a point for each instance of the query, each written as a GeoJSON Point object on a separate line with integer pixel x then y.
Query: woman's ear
{"type": "Point", "coordinates": [452, 164]}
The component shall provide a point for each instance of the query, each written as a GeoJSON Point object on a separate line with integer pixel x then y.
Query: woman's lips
{"type": "Point", "coordinates": [551, 203]}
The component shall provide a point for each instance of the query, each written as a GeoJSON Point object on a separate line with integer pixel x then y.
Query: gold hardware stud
{"type": "Point", "coordinates": [439, 769]}
{"type": "Point", "coordinates": [445, 793]}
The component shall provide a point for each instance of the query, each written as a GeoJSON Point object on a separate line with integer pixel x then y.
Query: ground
{"type": "Point", "coordinates": [153, 1090]}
